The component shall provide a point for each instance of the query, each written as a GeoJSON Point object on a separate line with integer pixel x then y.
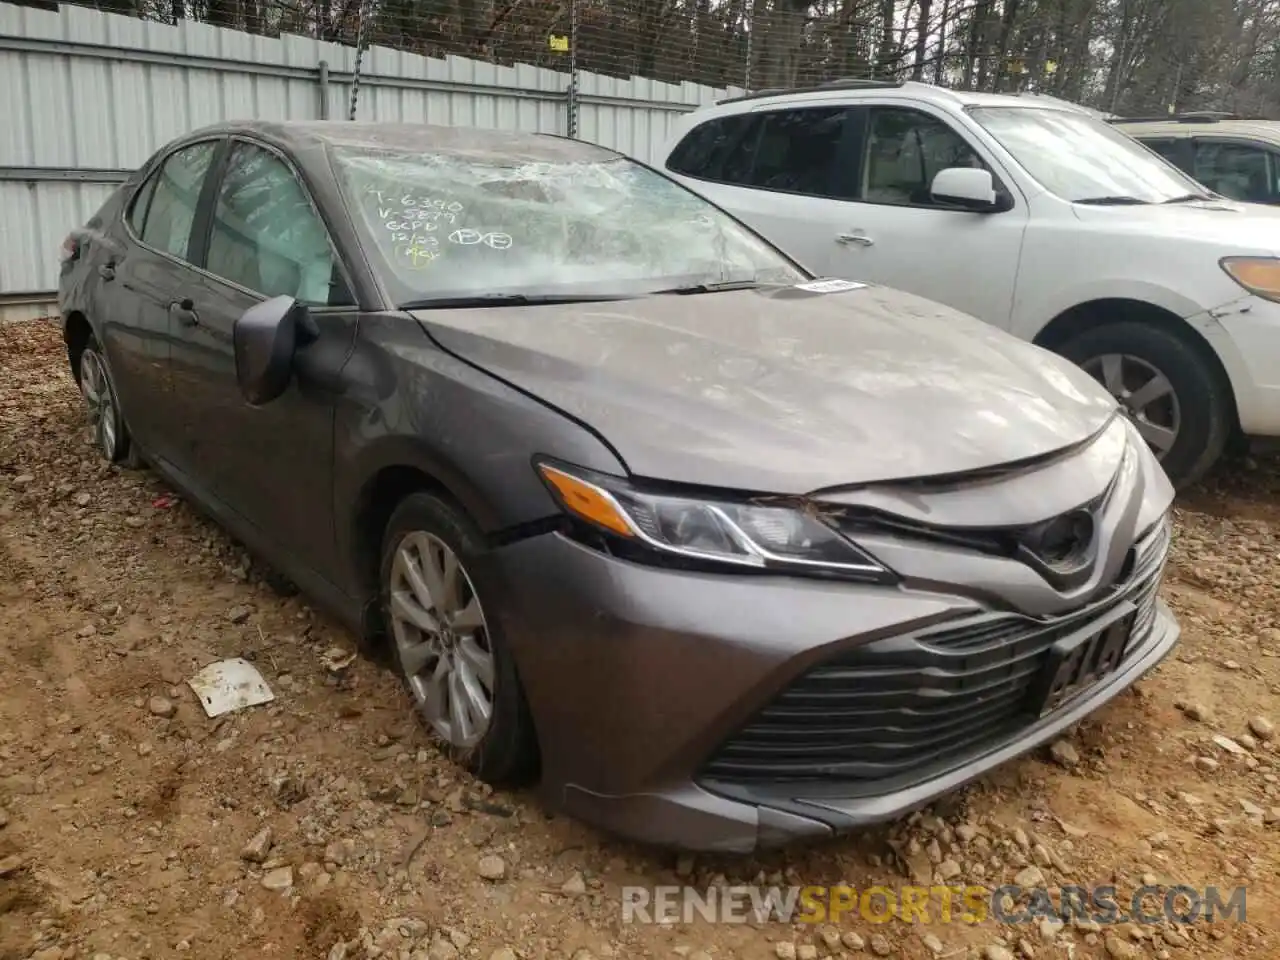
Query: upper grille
{"type": "Point", "coordinates": [895, 706]}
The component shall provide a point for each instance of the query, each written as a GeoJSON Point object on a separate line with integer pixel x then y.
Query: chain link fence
{"type": "Point", "coordinates": [1117, 55]}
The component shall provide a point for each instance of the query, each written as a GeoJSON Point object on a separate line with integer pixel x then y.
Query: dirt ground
{"type": "Point", "coordinates": [124, 811]}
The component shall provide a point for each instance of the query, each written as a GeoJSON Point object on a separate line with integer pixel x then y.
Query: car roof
{"type": "Point", "coordinates": [303, 135]}
{"type": "Point", "coordinates": [840, 91]}
{"type": "Point", "coordinates": [1267, 130]}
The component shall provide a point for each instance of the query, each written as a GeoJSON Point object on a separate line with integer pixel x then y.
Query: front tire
{"type": "Point", "coordinates": [449, 649]}
{"type": "Point", "coordinates": [1176, 398]}
{"type": "Point", "coordinates": [110, 434]}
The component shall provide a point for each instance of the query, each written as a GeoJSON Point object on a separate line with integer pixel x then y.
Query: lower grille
{"type": "Point", "coordinates": [898, 705]}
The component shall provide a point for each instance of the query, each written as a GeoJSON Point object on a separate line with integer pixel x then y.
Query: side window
{"type": "Point", "coordinates": [1167, 148]}
{"type": "Point", "coordinates": [173, 199]}
{"type": "Point", "coordinates": [905, 149]}
{"type": "Point", "coordinates": [1237, 170]}
{"type": "Point", "coordinates": [266, 236]}
{"type": "Point", "coordinates": [702, 151]}
{"type": "Point", "coordinates": [798, 152]}
{"type": "Point", "coordinates": [142, 200]}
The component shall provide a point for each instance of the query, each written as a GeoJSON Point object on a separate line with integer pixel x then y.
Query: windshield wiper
{"type": "Point", "coordinates": [1114, 201]}
{"type": "Point", "coordinates": [1189, 198]}
{"type": "Point", "coordinates": [505, 300]}
{"type": "Point", "coordinates": [715, 287]}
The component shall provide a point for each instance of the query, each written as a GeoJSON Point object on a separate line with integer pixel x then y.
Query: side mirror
{"type": "Point", "coordinates": [969, 187]}
{"type": "Point", "coordinates": [264, 339]}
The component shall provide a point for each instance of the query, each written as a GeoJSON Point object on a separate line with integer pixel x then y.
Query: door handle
{"type": "Point", "coordinates": [185, 312]}
{"type": "Point", "coordinates": [107, 271]}
{"type": "Point", "coordinates": [861, 239]}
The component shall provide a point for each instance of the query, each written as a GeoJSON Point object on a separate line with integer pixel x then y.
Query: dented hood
{"type": "Point", "coordinates": [783, 389]}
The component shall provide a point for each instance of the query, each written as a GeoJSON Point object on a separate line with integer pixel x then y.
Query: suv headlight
{"type": "Point", "coordinates": [742, 534]}
{"type": "Point", "coordinates": [1259, 275]}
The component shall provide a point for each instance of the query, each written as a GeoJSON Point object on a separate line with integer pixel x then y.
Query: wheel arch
{"type": "Point", "coordinates": [1102, 311]}
{"type": "Point", "coordinates": [76, 333]}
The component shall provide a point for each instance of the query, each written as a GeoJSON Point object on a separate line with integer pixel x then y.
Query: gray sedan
{"type": "Point", "coordinates": [723, 554]}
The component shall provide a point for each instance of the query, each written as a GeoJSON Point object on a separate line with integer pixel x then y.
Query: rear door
{"type": "Point", "coordinates": [144, 263]}
{"type": "Point", "coordinates": [272, 465]}
{"type": "Point", "coordinates": [778, 170]}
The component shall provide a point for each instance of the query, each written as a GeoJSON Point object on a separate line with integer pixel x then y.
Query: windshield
{"type": "Point", "coordinates": [1082, 159]}
{"type": "Point", "coordinates": [454, 226]}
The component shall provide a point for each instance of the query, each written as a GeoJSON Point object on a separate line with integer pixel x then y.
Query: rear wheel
{"type": "Point", "coordinates": [451, 653]}
{"type": "Point", "coordinates": [1175, 397]}
{"type": "Point", "coordinates": [110, 434]}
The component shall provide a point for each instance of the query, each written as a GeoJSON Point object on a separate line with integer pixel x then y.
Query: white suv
{"type": "Point", "coordinates": [1031, 214]}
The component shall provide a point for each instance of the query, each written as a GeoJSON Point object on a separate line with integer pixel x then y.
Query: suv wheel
{"type": "Point", "coordinates": [110, 434]}
{"type": "Point", "coordinates": [450, 650]}
{"type": "Point", "coordinates": [1173, 396]}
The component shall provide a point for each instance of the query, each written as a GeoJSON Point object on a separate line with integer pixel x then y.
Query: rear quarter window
{"type": "Point", "coordinates": [702, 151]}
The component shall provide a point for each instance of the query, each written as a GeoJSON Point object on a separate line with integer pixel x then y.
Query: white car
{"type": "Point", "coordinates": [1031, 214]}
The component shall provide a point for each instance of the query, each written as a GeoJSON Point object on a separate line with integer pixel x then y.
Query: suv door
{"type": "Point", "coordinates": [1238, 169]}
{"type": "Point", "coordinates": [271, 465]}
{"type": "Point", "coordinates": [902, 237]}
{"type": "Point", "coordinates": [779, 171]}
{"type": "Point", "coordinates": [147, 262]}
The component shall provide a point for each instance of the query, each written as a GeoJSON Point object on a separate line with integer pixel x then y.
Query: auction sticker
{"type": "Point", "coordinates": [829, 286]}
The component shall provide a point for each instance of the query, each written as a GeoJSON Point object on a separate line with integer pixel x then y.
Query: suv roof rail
{"type": "Point", "coordinates": [1195, 116]}
{"type": "Point", "coordinates": [844, 83]}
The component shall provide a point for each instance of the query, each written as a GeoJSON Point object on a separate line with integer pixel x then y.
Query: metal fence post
{"type": "Point", "coordinates": [323, 70]}
{"type": "Point", "coordinates": [366, 7]}
{"type": "Point", "coordinates": [571, 99]}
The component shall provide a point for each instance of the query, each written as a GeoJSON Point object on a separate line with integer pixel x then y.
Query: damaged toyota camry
{"type": "Point", "coordinates": [722, 554]}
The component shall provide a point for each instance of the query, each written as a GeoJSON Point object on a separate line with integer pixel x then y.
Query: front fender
{"type": "Point", "coordinates": [409, 404]}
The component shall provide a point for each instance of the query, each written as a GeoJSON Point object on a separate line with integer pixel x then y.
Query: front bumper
{"type": "Point", "coordinates": [1246, 336]}
{"type": "Point", "coordinates": [638, 677]}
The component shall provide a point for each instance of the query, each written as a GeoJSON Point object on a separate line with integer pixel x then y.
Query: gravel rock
{"type": "Point", "coordinates": [255, 850]}
{"type": "Point", "coordinates": [784, 950]}
{"type": "Point", "coordinates": [492, 867]}
{"type": "Point", "coordinates": [880, 945]}
{"type": "Point", "coordinates": [281, 878]}
{"type": "Point", "coordinates": [1064, 754]}
{"type": "Point", "coordinates": [1197, 711]}
{"type": "Point", "coordinates": [575, 886]}
{"type": "Point", "coordinates": [1262, 728]}
{"type": "Point", "coordinates": [997, 952]}
{"type": "Point", "coordinates": [1029, 877]}
{"type": "Point", "coordinates": [1119, 949]}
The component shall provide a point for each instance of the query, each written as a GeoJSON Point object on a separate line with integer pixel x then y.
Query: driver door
{"type": "Point", "coordinates": [272, 465]}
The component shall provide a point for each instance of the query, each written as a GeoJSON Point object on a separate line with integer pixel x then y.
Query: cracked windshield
{"type": "Point", "coordinates": [451, 226]}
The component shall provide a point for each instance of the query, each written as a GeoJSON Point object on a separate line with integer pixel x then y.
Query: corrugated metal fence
{"type": "Point", "coordinates": [86, 97]}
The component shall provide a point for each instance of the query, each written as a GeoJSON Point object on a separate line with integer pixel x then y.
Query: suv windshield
{"type": "Point", "coordinates": [1082, 159]}
{"type": "Point", "coordinates": [453, 227]}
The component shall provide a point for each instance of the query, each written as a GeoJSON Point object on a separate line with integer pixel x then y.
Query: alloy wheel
{"type": "Point", "coordinates": [1145, 394]}
{"type": "Point", "coordinates": [442, 639]}
{"type": "Point", "coordinates": [100, 399]}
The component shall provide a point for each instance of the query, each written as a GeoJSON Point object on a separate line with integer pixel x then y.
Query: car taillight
{"type": "Point", "coordinates": [70, 248]}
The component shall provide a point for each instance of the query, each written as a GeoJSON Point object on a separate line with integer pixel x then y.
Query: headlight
{"type": "Point", "coordinates": [715, 531]}
{"type": "Point", "coordinates": [1259, 275]}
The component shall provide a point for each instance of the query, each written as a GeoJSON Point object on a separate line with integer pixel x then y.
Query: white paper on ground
{"type": "Point", "coordinates": [230, 685]}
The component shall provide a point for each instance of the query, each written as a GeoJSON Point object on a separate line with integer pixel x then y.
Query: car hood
{"type": "Point", "coordinates": [1238, 228]}
{"type": "Point", "coordinates": [784, 390]}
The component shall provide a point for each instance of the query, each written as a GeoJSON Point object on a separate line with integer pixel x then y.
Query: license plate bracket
{"type": "Point", "coordinates": [1078, 661]}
